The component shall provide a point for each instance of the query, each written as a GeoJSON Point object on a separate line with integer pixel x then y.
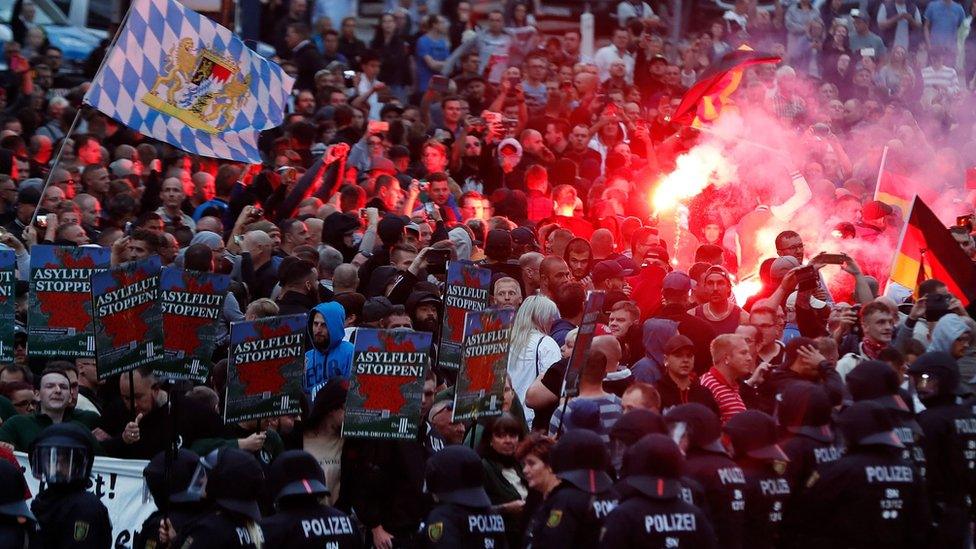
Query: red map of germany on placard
{"type": "Point", "coordinates": [479, 369]}
{"type": "Point", "coordinates": [67, 309]}
{"type": "Point", "coordinates": [385, 392]}
{"type": "Point", "coordinates": [264, 376]}
{"type": "Point", "coordinates": [129, 325]}
{"type": "Point", "coordinates": [183, 332]}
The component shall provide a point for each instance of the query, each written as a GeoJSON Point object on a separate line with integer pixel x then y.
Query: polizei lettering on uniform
{"type": "Point", "coordinates": [260, 350]}
{"type": "Point", "coordinates": [464, 297]}
{"type": "Point", "coordinates": [486, 524]}
{"type": "Point", "coordinates": [671, 522]}
{"type": "Point", "coordinates": [889, 473]}
{"type": "Point", "coordinates": [966, 426]}
{"type": "Point", "coordinates": [774, 487]}
{"type": "Point", "coordinates": [63, 280]}
{"type": "Point", "coordinates": [127, 297]}
{"type": "Point", "coordinates": [327, 526]}
{"type": "Point", "coordinates": [731, 475]}
{"type": "Point", "coordinates": [192, 304]}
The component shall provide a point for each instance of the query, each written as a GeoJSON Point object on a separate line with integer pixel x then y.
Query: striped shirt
{"type": "Point", "coordinates": [610, 407]}
{"type": "Point", "coordinates": [726, 394]}
{"type": "Point", "coordinates": [944, 78]}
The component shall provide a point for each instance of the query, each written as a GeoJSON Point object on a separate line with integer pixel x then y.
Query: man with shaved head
{"type": "Point", "coordinates": [171, 197]}
{"type": "Point", "coordinates": [553, 272]}
{"type": "Point", "coordinates": [61, 178]}
{"type": "Point", "coordinates": [530, 264]}
{"type": "Point", "coordinates": [602, 245]}
{"type": "Point", "coordinates": [260, 247]}
{"type": "Point", "coordinates": [604, 358]}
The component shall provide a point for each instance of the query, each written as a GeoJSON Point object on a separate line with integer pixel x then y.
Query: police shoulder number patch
{"type": "Point", "coordinates": [555, 517]}
{"type": "Point", "coordinates": [435, 531]}
{"type": "Point", "coordinates": [81, 530]}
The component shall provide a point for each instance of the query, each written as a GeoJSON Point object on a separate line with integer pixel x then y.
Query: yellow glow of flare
{"type": "Point", "coordinates": [746, 289]}
{"type": "Point", "coordinates": [690, 176]}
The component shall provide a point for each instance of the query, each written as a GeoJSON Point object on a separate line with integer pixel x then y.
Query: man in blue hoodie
{"type": "Point", "coordinates": [330, 357]}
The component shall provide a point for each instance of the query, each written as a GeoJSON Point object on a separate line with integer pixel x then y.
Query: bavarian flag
{"type": "Point", "coordinates": [704, 101]}
{"type": "Point", "coordinates": [177, 76]}
{"type": "Point", "coordinates": [927, 250]}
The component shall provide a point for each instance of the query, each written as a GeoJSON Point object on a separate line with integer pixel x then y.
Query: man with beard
{"type": "Point", "coordinates": [330, 357]}
{"type": "Point", "coordinates": [299, 286]}
{"type": "Point", "coordinates": [579, 258]}
{"type": "Point", "coordinates": [553, 273]}
{"type": "Point", "coordinates": [424, 309]}
{"type": "Point", "coordinates": [720, 311]}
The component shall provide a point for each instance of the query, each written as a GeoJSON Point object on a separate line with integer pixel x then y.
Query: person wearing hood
{"type": "Point", "coordinates": [753, 439]}
{"type": "Point", "coordinates": [463, 515]}
{"type": "Point", "coordinates": [424, 308]}
{"type": "Point", "coordinates": [573, 514]}
{"type": "Point", "coordinates": [657, 332]}
{"type": "Point", "coordinates": [951, 335]}
{"type": "Point", "coordinates": [708, 464]}
{"type": "Point", "coordinates": [651, 506]}
{"type": "Point", "coordinates": [67, 513]}
{"type": "Point", "coordinates": [299, 286]}
{"type": "Point", "coordinates": [950, 436]}
{"type": "Point", "coordinates": [233, 481]}
{"type": "Point", "coordinates": [339, 230]}
{"type": "Point", "coordinates": [870, 497]}
{"type": "Point", "coordinates": [877, 381]}
{"type": "Point", "coordinates": [462, 242]}
{"type": "Point", "coordinates": [330, 356]}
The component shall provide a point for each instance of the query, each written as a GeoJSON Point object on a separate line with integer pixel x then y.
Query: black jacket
{"type": "Point", "coordinates": [307, 524]}
{"type": "Point", "coordinates": [651, 520]}
{"type": "Point", "coordinates": [570, 517]}
{"type": "Point", "coordinates": [457, 526]}
{"type": "Point", "coordinates": [697, 330]}
{"type": "Point", "coordinates": [309, 61]}
{"type": "Point", "coordinates": [671, 395]}
{"type": "Point", "coordinates": [767, 494]}
{"type": "Point", "coordinates": [294, 303]}
{"type": "Point", "coordinates": [724, 484]}
{"type": "Point", "coordinates": [70, 516]}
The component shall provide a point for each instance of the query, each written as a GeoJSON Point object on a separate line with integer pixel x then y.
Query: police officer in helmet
{"type": "Point", "coordinates": [708, 463]}
{"type": "Point", "coordinates": [168, 481]}
{"type": "Point", "coordinates": [68, 514]}
{"type": "Point", "coordinates": [753, 437]}
{"type": "Point", "coordinates": [18, 527]}
{"type": "Point", "coordinates": [950, 445]}
{"type": "Point", "coordinates": [462, 516]}
{"type": "Point", "coordinates": [298, 484]}
{"type": "Point", "coordinates": [651, 513]}
{"type": "Point", "coordinates": [872, 496]}
{"type": "Point", "coordinates": [231, 480]}
{"type": "Point", "coordinates": [574, 512]}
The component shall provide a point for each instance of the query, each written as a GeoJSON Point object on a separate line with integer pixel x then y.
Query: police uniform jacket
{"type": "Point", "coordinates": [767, 495]}
{"type": "Point", "coordinates": [869, 498]}
{"type": "Point", "coordinates": [70, 516]}
{"type": "Point", "coordinates": [653, 515]}
{"type": "Point", "coordinates": [950, 446]}
{"type": "Point", "coordinates": [571, 517]}
{"type": "Point", "coordinates": [220, 528]}
{"type": "Point", "coordinates": [310, 526]}
{"type": "Point", "coordinates": [724, 484]}
{"type": "Point", "coordinates": [449, 525]}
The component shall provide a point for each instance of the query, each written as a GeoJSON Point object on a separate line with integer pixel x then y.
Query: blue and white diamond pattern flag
{"type": "Point", "coordinates": [181, 78]}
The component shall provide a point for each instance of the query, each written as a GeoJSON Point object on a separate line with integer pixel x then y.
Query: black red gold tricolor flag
{"type": "Point", "coordinates": [704, 101]}
{"type": "Point", "coordinates": [927, 244]}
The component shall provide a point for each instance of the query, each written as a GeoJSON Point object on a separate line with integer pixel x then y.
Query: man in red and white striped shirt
{"type": "Point", "coordinates": [732, 361]}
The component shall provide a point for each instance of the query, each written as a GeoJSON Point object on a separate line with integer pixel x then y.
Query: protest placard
{"type": "Point", "coordinates": [8, 262]}
{"type": "Point", "coordinates": [59, 318]}
{"type": "Point", "coordinates": [584, 336]}
{"type": "Point", "coordinates": [466, 290]}
{"type": "Point", "coordinates": [128, 319]}
{"type": "Point", "coordinates": [480, 387]}
{"type": "Point", "coordinates": [266, 368]}
{"type": "Point", "coordinates": [192, 304]}
{"type": "Point", "coordinates": [387, 384]}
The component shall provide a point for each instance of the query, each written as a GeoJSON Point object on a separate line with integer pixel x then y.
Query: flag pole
{"type": "Point", "coordinates": [877, 185]}
{"type": "Point", "coordinates": [74, 123]}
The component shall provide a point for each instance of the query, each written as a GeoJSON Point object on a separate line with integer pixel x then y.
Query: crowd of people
{"type": "Point", "coordinates": [741, 389]}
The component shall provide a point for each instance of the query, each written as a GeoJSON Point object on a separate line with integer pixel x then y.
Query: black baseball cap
{"type": "Point", "coordinates": [580, 458]}
{"type": "Point", "coordinates": [676, 343]}
{"type": "Point", "coordinates": [652, 466]}
{"type": "Point", "coordinates": [753, 434]}
{"type": "Point", "coordinates": [456, 475]}
{"type": "Point", "coordinates": [297, 473]}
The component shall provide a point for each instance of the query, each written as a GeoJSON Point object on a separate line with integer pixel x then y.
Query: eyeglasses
{"type": "Point", "coordinates": [793, 247]}
{"type": "Point", "coordinates": [65, 182]}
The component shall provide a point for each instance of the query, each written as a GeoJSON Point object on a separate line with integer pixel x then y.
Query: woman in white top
{"type": "Point", "coordinates": [531, 350]}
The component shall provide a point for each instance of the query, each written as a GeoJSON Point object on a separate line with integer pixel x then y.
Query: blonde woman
{"type": "Point", "coordinates": [531, 350]}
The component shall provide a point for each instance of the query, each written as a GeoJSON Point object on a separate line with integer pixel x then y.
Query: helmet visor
{"type": "Point", "coordinates": [59, 465]}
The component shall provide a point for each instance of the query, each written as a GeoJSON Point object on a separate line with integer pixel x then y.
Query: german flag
{"type": "Point", "coordinates": [892, 188]}
{"type": "Point", "coordinates": [927, 250]}
{"type": "Point", "coordinates": [704, 101]}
